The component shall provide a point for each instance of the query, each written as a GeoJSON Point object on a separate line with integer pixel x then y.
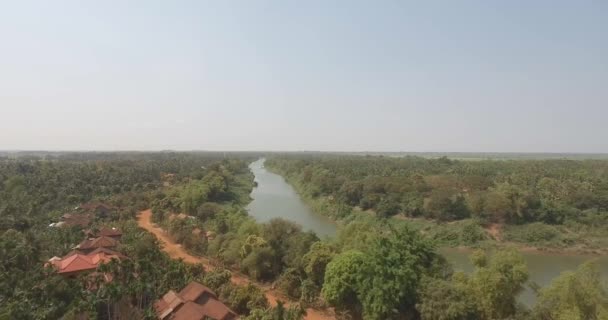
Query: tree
{"type": "Point", "coordinates": [496, 283]}
{"type": "Point", "coordinates": [445, 205]}
{"type": "Point", "coordinates": [382, 282]}
{"type": "Point", "coordinates": [577, 295]}
{"type": "Point", "coordinates": [341, 284]}
{"type": "Point", "coordinates": [290, 282]}
{"type": "Point", "coordinates": [392, 272]}
{"type": "Point", "coordinates": [388, 206]}
{"type": "Point", "coordinates": [261, 263]}
{"type": "Point", "coordinates": [215, 184]}
{"type": "Point", "coordinates": [351, 192]}
{"type": "Point", "coordinates": [294, 312]}
{"type": "Point", "coordinates": [298, 245]}
{"type": "Point", "coordinates": [316, 260]}
{"type": "Point", "coordinates": [208, 210]}
{"type": "Point", "coordinates": [244, 299]}
{"type": "Point", "coordinates": [445, 300]}
{"type": "Point", "coordinates": [194, 195]}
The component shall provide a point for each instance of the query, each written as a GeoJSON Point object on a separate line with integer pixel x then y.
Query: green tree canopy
{"type": "Point", "coordinates": [574, 295]}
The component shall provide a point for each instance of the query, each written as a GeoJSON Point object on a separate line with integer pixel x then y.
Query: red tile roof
{"type": "Point", "coordinates": [99, 242]}
{"type": "Point", "coordinates": [108, 252]}
{"type": "Point", "coordinates": [190, 311]}
{"type": "Point", "coordinates": [216, 310]}
{"type": "Point", "coordinates": [76, 219]}
{"type": "Point", "coordinates": [194, 290]}
{"type": "Point", "coordinates": [109, 232]}
{"type": "Point", "coordinates": [77, 262]}
{"type": "Point", "coordinates": [184, 305]}
{"type": "Point", "coordinates": [165, 306]}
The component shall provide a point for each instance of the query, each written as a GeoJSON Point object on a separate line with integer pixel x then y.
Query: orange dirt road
{"type": "Point", "coordinates": [175, 251]}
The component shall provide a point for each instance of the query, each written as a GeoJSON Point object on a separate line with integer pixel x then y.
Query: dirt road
{"type": "Point", "coordinates": [175, 251]}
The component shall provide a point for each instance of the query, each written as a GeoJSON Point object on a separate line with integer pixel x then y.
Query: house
{"type": "Point", "coordinates": [75, 220]}
{"type": "Point", "coordinates": [90, 245]}
{"type": "Point", "coordinates": [76, 263]}
{"type": "Point", "coordinates": [194, 302]}
{"type": "Point", "coordinates": [101, 210]}
{"type": "Point", "coordinates": [105, 232]}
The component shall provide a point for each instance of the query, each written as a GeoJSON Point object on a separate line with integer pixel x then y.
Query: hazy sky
{"type": "Point", "coordinates": [305, 75]}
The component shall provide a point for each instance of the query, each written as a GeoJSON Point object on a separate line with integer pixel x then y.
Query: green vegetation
{"type": "Point", "coordinates": [373, 268]}
{"type": "Point", "coordinates": [381, 282]}
{"type": "Point", "coordinates": [547, 203]}
{"type": "Point", "coordinates": [488, 293]}
{"type": "Point", "coordinates": [219, 227]}
{"type": "Point", "coordinates": [574, 295]}
{"type": "Point", "coordinates": [36, 191]}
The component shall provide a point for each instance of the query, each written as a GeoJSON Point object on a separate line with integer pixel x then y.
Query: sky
{"type": "Point", "coordinates": [467, 76]}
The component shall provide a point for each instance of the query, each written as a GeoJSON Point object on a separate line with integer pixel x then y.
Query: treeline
{"type": "Point", "coordinates": [567, 200]}
{"type": "Point", "coordinates": [31, 188]}
{"type": "Point", "coordinates": [550, 191]}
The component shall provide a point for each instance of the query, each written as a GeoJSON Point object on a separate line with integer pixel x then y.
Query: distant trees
{"type": "Point", "coordinates": [570, 195]}
{"type": "Point", "coordinates": [444, 189]}
{"type": "Point", "coordinates": [444, 205]}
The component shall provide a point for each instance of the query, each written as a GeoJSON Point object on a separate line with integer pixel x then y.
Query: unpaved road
{"type": "Point", "coordinates": [175, 251]}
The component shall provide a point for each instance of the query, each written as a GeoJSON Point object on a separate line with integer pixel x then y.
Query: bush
{"type": "Point", "coordinates": [310, 292]}
{"type": "Point", "coordinates": [465, 232]}
{"type": "Point", "coordinates": [290, 283]}
{"type": "Point", "coordinates": [472, 233]}
{"type": "Point", "coordinates": [536, 233]}
{"type": "Point", "coordinates": [243, 299]}
{"type": "Point", "coordinates": [208, 210]}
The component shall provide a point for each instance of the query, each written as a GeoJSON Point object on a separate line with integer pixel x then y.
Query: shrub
{"type": "Point", "coordinates": [536, 233]}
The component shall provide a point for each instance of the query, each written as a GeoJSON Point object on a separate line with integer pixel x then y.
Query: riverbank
{"type": "Point", "coordinates": [469, 234]}
{"type": "Point", "coordinates": [357, 226]}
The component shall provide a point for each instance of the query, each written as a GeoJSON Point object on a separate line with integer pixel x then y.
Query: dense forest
{"type": "Point", "coordinates": [373, 269]}
{"type": "Point", "coordinates": [545, 203]}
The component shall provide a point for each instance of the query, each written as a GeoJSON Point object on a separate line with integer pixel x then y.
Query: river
{"type": "Point", "coordinates": [275, 198]}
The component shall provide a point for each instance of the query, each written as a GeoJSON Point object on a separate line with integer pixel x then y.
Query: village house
{"type": "Point", "coordinates": [194, 302]}
{"type": "Point", "coordinates": [76, 263]}
{"type": "Point", "coordinates": [89, 245]}
{"type": "Point", "coordinates": [74, 220]}
{"type": "Point", "coordinates": [99, 209]}
{"type": "Point", "coordinates": [105, 232]}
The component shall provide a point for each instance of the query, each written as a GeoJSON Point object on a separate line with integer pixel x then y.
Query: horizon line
{"type": "Point", "coordinates": [297, 151]}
